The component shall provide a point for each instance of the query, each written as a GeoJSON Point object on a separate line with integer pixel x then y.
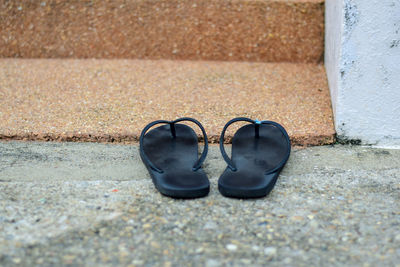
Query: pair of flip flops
{"type": "Point", "coordinates": [260, 150]}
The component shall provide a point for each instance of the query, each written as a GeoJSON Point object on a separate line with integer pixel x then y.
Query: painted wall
{"type": "Point", "coordinates": [362, 59]}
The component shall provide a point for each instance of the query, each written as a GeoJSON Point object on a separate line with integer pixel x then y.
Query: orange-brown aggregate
{"type": "Point", "coordinates": [229, 30]}
{"type": "Point", "coordinates": [112, 100]}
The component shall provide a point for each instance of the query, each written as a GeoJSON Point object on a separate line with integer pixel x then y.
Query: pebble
{"type": "Point", "coordinates": [213, 263]}
{"type": "Point", "coordinates": [397, 238]}
{"type": "Point", "coordinates": [231, 247]}
{"type": "Point", "coordinates": [314, 224]}
{"type": "Point", "coordinates": [68, 259]}
{"type": "Point", "coordinates": [146, 226]}
{"type": "Point", "coordinates": [246, 261]}
{"type": "Point", "coordinates": [210, 225]}
{"type": "Point", "coordinates": [287, 261]}
{"type": "Point", "coordinates": [137, 262]}
{"type": "Point", "coordinates": [297, 218]}
{"type": "Point", "coordinates": [199, 250]}
{"type": "Point", "coordinates": [270, 251]}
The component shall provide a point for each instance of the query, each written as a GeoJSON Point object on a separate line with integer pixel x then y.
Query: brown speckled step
{"type": "Point", "coordinates": [112, 100]}
{"type": "Point", "coordinates": [229, 30]}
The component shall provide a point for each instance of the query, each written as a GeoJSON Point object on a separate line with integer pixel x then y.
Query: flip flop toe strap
{"type": "Point", "coordinates": [257, 124]}
{"type": "Point", "coordinates": [198, 163]}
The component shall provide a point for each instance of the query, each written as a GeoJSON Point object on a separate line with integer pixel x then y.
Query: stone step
{"type": "Point", "coordinates": [112, 100]}
{"type": "Point", "coordinates": [231, 30]}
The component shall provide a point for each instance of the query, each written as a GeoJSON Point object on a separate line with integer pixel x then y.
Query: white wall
{"type": "Point", "coordinates": [362, 59]}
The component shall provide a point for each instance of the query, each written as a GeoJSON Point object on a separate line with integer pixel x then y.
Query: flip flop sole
{"type": "Point", "coordinates": [254, 192]}
{"type": "Point", "coordinates": [253, 157]}
{"type": "Point", "coordinates": [176, 157]}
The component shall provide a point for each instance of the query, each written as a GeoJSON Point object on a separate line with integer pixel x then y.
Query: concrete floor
{"type": "Point", "coordinates": [94, 204]}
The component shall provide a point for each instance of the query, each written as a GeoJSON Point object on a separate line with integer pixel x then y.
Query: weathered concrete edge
{"type": "Point", "coordinates": [297, 140]}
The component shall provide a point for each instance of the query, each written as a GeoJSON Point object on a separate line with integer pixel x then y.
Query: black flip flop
{"type": "Point", "coordinates": [170, 153]}
{"type": "Point", "coordinates": [259, 152]}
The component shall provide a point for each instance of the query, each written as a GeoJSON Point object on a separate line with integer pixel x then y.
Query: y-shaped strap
{"type": "Point", "coordinates": [199, 162]}
{"type": "Point", "coordinates": [257, 124]}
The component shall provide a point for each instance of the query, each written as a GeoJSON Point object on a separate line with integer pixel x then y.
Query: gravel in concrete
{"type": "Point", "coordinates": [234, 30]}
{"type": "Point", "coordinates": [112, 100]}
{"type": "Point", "coordinates": [95, 205]}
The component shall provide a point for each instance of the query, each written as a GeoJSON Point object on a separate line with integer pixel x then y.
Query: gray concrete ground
{"type": "Point", "coordinates": [94, 204]}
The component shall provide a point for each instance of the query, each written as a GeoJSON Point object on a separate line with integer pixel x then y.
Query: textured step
{"type": "Point", "coordinates": [112, 100]}
{"type": "Point", "coordinates": [234, 30]}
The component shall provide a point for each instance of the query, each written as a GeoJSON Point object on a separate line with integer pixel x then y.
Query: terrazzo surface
{"type": "Point", "coordinates": [234, 30]}
{"type": "Point", "coordinates": [112, 100]}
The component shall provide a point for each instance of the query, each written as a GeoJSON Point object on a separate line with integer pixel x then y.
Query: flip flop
{"type": "Point", "coordinates": [259, 152]}
{"type": "Point", "coordinates": [170, 153]}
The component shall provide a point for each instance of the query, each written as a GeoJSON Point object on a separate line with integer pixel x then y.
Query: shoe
{"type": "Point", "coordinates": [260, 150]}
{"type": "Point", "coordinates": [170, 153]}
